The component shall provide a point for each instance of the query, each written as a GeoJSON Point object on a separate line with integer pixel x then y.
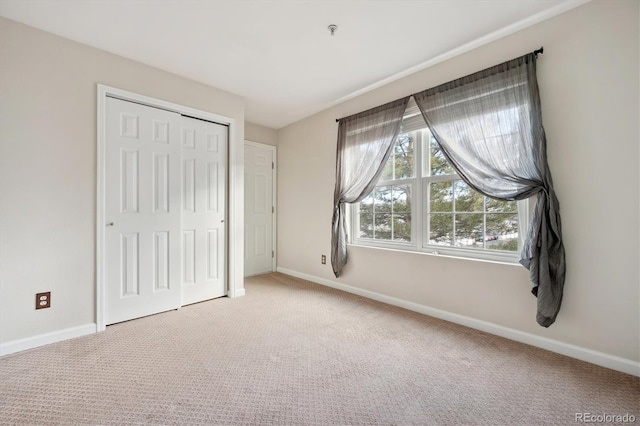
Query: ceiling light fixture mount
{"type": "Point", "coordinates": [332, 28]}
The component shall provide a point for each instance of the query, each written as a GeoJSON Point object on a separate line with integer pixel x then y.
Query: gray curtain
{"type": "Point", "coordinates": [489, 126]}
{"type": "Point", "coordinates": [365, 142]}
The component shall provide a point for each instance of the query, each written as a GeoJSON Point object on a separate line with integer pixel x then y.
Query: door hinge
{"type": "Point", "coordinates": [273, 254]}
{"type": "Point", "coordinates": [273, 165]}
{"type": "Point", "coordinates": [273, 209]}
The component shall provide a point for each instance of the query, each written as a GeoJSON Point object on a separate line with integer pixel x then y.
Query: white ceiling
{"type": "Point", "coordinates": [279, 55]}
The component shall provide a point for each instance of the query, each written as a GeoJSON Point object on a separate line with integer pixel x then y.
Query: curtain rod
{"type": "Point", "coordinates": [535, 52]}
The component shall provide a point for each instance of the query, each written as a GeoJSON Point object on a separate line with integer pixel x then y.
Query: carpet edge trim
{"type": "Point", "coordinates": [20, 345]}
{"type": "Point", "coordinates": [602, 359]}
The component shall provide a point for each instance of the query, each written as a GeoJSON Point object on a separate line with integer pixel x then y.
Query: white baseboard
{"type": "Point", "coordinates": [599, 358]}
{"type": "Point", "coordinates": [46, 339]}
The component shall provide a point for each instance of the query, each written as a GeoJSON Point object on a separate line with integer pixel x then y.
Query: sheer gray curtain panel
{"type": "Point", "coordinates": [489, 126]}
{"type": "Point", "coordinates": [365, 142]}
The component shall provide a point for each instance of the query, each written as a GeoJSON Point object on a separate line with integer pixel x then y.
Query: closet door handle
{"type": "Point", "coordinates": [109, 224]}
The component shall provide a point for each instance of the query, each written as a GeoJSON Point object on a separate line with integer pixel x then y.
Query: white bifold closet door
{"type": "Point", "coordinates": [142, 211]}
{"type": "Point", "coordinates": [204, 153]}
{"type": "Point", "coordinates": [165, 180]}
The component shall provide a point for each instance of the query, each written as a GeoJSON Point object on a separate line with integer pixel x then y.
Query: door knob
{"type": "Point", "coordinates": [109, 224]}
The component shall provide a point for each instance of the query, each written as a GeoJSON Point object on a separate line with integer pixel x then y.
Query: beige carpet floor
{"type": "Point", "coordinates": [295, 353]}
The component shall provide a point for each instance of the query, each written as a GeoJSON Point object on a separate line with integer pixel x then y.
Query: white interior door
{"type": "Point", "coordinates": [259, 208]}
{"type": "Point", "coordinates": [142, 211]}
{"type": "Point", "coordinates": [204, 171]}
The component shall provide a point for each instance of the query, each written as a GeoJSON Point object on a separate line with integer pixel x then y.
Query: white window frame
{"type": "Point", "coordinates": [419, 213]}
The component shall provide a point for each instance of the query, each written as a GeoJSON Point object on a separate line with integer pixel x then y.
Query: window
{"type": "Point", "coordinates": [385, 215]}
{"type": "Point", "coordinates": [421, 204]}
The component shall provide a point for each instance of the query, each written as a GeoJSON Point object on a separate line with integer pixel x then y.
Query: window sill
{"type": "Point", "coordinates": [447, 252]}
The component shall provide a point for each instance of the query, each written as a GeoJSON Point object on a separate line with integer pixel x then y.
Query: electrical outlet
{"type": "Point", "coordinates": [323, 259]}
{"type": "Point", "coordinates": [43, 300]}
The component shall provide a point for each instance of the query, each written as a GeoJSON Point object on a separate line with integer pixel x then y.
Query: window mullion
{"type": "Point", "coordinates": [392, 211]}
{"type": "Point", "coordinates": [393, 162]}
{"type": "Point", "coordinates": [373, 214]}
{"type": "Point", "coordinates": [484, 222]}
{"type": "Point", "coordinates": [453, 208]}
{"type": "Point", "coordinates": [416, 206]}
{"type": "Point", "coordinates": [426, 232]}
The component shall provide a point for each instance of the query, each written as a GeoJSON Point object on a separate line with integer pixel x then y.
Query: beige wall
{"type": "Point", "coordinates": [261, 134]}
{"type": "Point", "coordinates": [588, 78]}
{"type": "Point", "coordinates": [48, 169]}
